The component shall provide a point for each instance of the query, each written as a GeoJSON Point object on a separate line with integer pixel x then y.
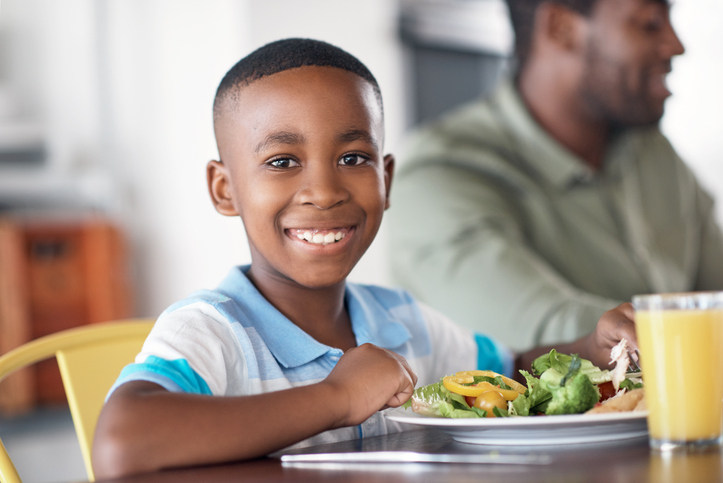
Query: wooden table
{"type": "Point", "coordinates": [623, 461]}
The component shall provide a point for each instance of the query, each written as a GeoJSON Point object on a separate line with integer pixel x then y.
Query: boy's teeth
{"type": "Point", "coordinates": [320, 238]}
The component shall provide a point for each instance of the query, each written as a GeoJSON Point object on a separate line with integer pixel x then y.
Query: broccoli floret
{"type": "Point", "coordinates": [572, 392]}
{"type": "Point", "coordinates": [575, 397]}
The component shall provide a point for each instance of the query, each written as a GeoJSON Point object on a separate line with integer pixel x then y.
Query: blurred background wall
{"type": "Point", "coordinates": [119, 93]}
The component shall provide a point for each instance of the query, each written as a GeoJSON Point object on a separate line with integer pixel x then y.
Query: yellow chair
{"type": "Point", "coordinates": [90, 358]}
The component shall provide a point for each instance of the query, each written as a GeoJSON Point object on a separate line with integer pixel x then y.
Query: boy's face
{"type": "Point", "coordinates": [302, 166]}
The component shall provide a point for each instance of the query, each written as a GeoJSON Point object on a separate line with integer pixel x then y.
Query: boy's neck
{"type": "Point", "coordinates": [321, 313]}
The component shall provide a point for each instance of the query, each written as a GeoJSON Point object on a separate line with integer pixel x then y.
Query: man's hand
{"type": "Point", "coordinates": [368, 378]}
{"type": "Point", "coordinates": [613, 326]}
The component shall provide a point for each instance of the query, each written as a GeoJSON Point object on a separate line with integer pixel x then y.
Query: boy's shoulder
{"type": "Point", "coordinates": [235, 298]}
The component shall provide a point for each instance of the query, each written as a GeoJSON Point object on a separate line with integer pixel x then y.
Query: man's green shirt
{"type": "Point", "coordinates": [506, 231]}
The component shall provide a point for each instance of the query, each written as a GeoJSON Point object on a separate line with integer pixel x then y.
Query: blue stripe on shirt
{"type": "Point", "coordinates": [176, 375]}
{"type": "Point", "coordinates": [488, 355]}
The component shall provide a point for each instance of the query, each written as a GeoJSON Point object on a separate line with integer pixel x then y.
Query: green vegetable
{"type": "Point", "coordinates": [436, 400]}
{"type": "Point", "coordinates": [541, 364]}
{"type": "Point", "coordinates": [630, 385]}
{"type": "Point", "coordinates": [572, 390]}
{"type": "Point", "coordinates": [530, 402]}
{"type": "Point", "coordinates": [561, 363]}
{"type": "Point", "coordinates": [566, 385]}
{"type": "Point", "coordinates": [500, 413]}
{"type": "Point", "coordinates": [576, 396]}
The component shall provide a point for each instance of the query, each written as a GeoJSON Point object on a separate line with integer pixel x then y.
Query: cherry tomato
{"type": "Point", "coordinates": [607, 390]}
{"type": "Point", "coordinates": [470, 400]}
{"type": "Point", "coordinates": [489, 400]}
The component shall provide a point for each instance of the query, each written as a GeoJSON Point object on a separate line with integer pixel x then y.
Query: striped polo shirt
{"type": "Point", "coordinates": [232, 342]}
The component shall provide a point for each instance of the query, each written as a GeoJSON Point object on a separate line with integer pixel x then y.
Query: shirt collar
{"type": "Point", "coordinates": [291, 346]}
{"type": "Point", "coordinates": [549, 158]}
{"type": "Point", "coordinates": [371, 319]}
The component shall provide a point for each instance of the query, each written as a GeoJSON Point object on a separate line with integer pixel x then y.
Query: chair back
{"type": "Point", "coordinates": [90, 358]}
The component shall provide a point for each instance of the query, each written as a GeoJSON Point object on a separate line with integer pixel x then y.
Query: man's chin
{"type": "Point", "coordinates": [637, 124]}
{"type": "Point", "coordinates": [642, 117]}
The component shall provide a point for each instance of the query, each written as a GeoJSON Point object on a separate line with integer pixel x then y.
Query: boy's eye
{"type": "Point", "coordinates": [283, 163]}
{"type": "Point", "coordinates": [353, 160]}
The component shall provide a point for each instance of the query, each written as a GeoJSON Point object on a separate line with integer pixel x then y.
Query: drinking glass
{"type": "Point", "coordinates": [680, 337]}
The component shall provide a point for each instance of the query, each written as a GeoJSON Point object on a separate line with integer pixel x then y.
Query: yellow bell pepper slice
{"type": "Point", "coordinates": [521, 388]}
{"type": "Point", "coordinates": [456, 385]}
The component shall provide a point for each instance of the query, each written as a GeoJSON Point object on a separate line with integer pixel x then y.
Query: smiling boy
{"type": "Point", "coordinates": [300, 355]}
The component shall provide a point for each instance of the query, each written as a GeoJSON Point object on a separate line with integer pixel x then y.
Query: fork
{"type": "Point", "coordinates": [634, 368]}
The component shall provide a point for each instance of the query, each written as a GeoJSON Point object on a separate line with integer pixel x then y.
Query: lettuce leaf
{"type": "Point", "coordinates": [561, 363]}
{"type": "Point", "coordinates": [437, 400]}
{"type": "Point", "coordinates": [535, 396]}
{"type": "Point", "coordinates": [630, 385]}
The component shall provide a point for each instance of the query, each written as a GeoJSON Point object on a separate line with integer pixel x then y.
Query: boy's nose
{"type": "Point", "coordinates": [323, 188]}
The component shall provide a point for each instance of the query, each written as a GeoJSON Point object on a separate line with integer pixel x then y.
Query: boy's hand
{"type": "Point", "coordinates": [614, 325]}
{"type": "Point", "coordinates": [368, 378]}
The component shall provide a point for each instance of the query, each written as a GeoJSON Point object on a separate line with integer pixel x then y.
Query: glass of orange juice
{"type": "Point", "coordinates": [680, 337]}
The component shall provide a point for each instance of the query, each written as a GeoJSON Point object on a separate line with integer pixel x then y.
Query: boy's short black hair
{"type": "Point", "coordinates": [288, 54]}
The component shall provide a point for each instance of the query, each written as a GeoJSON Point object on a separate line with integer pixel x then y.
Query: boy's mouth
{"type": "Point", "coordinates": [319, 237]}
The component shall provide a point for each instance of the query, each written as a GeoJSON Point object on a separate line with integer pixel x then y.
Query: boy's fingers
{"type": "Point", "coordinates": [405, 365]}
{"type": "Point", "coordinates": [400, 398]}
{"type": "Point", "coordinates": [406, 385]}
{"type": "Point", "coordinates": [410, 371]}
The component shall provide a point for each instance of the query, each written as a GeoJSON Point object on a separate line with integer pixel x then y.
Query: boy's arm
{"type": "Point", "coordinates": [614, 325]}
{"type": "Point", "coordinates": [144, 428]}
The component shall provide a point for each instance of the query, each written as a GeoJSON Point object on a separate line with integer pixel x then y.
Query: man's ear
{"type": "Point", "coordinates": [388, 175]}
{"type": "Point", "coordinates": [561, 26]}
{"type": "Point", "coordinates": [219, 188]}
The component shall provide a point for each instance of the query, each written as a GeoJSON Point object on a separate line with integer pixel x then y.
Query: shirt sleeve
{"type": "Point", "coordinates": [459, 349]}
{"type": "Point", "coordinates": [190, 349]}
{"type": "Point", "coordinates": [463, 251]}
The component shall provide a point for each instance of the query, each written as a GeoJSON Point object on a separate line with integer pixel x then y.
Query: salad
{"type": "Point", "coordinates": [558, 384]}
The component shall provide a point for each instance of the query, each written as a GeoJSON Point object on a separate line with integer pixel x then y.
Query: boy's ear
{"type": "Point", "coordinates": [388, 175]}
{"type": "Point", "coordinates": [219, 188]}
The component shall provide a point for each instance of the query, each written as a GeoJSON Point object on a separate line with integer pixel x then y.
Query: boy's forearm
{"type": "Point", "coordinates": [191, 430]}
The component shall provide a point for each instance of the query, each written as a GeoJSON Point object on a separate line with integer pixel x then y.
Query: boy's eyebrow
{"type": "Point", "coordinates": [281, 137]}
{"type": "Point", "coordinates": [358, 135]}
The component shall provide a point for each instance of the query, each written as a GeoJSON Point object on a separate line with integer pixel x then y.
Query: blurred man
{"type": "Point", "coordinates": [530, 213]}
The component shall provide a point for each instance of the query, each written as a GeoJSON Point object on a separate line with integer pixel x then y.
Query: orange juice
{"type": "Point", "coordinates": [682, 358]}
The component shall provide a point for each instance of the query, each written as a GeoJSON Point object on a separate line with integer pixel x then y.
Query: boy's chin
{"type": "Point", "coordinates": [308, 276]}
{"type": "Point", "coordinates": [320, 281]}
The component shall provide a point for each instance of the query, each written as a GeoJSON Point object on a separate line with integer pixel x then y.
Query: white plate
{"type": "Point", "coordinates": [534, 430]}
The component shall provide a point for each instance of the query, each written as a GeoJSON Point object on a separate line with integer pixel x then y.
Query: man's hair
{"type": "Point", "coordinates": [522, 16]}
{"type": "Point", "coordinates": [288, 54]}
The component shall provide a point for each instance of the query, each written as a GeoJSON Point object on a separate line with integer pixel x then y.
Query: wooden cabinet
{"type": "Point", "coordinates": [54, 275]}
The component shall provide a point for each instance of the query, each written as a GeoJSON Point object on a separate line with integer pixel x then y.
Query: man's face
{"type": "Point", "coordinates": [629, 51]}
{"type": "Point", "coordinates": [301, 153]}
